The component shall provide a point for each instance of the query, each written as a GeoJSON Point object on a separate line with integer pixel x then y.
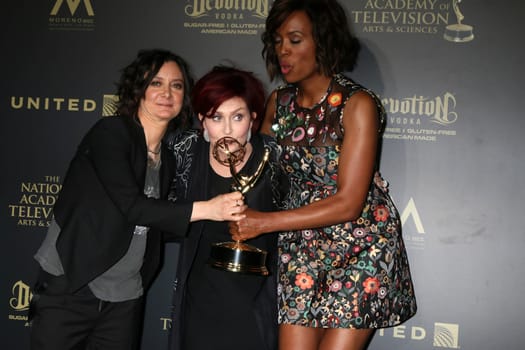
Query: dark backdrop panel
{"type": "Point", "coordinates": [452, 150]}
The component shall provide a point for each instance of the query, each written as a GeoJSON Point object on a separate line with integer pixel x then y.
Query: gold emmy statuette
{"type": "Point", "coordinates": [238, 256]}
{"type": "Point", "coordinates": [459, 32]}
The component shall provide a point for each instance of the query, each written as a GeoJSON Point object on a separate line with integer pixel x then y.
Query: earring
{"type": "Point", "coordinates": [205, 135]}
{"type": "Point", "coordinates": [249, 135]}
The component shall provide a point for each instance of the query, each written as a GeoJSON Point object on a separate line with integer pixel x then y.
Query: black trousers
{"type": "Point", "coordinates": [81, 321]}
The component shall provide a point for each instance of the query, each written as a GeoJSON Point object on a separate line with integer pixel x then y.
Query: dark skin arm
{"type": "Point", "coordinates": [356, 168]}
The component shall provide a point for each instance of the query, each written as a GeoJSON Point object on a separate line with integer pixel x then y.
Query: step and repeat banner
{"type": "Point", "coordinates": [450, 74]}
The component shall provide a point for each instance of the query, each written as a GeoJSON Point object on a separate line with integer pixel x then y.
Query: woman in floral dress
{"type": "Point", "coordinates": [343, 268]}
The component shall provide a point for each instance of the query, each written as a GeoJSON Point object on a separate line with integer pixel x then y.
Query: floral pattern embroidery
{"type": "Point", "coordinates": [335, 99]}
{"type": "Point", "coordinates": [350, 275]}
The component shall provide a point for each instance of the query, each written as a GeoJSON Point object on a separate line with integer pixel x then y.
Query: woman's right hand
{"type": "Point", "coordinates": [224, 207]}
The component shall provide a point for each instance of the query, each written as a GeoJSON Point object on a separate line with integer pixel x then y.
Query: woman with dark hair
{"type": "Point", "coordinates": [213, 308]}
{"type": "Point", "coordinates": [102, 248]}
{"type": "Point", "coordinates": [343, 267]}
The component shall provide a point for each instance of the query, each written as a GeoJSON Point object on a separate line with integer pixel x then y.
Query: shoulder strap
{"type": "Point", "coordinates": [354, 87]}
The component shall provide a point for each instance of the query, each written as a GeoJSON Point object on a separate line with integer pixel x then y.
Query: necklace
{"type": "Point", "coordinates": [153, 158]}
{"type": "Point", "coordinates": [154, 152]}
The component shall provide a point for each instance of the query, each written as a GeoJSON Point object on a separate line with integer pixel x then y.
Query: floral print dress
{"type": "Point", "coordinates": [351, 275]}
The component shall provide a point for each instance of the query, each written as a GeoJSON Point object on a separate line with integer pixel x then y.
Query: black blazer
{"type": "Point", "coordinates": [102, 199]}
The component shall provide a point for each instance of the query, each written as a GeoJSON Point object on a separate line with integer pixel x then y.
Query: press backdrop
{"type": "Point", "coordinates": [451, 79]}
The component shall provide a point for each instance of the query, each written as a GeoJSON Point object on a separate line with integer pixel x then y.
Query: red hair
{"type": "Point", "coordinates": [223, 83]}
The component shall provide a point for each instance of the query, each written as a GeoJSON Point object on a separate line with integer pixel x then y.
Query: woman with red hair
{"type": "Point", "coordinates": [213, 308]}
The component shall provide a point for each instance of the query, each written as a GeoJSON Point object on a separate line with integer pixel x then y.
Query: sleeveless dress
{"type": "Point", "coordinates": [350, 275]}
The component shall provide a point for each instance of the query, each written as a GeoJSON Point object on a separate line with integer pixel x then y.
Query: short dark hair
{"type": "Point", "coordinates": [225, 82]}
{"type": "Point", "coordinates": [136, 77]}
{"type": "Point", "coordinates": [335, 46]}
